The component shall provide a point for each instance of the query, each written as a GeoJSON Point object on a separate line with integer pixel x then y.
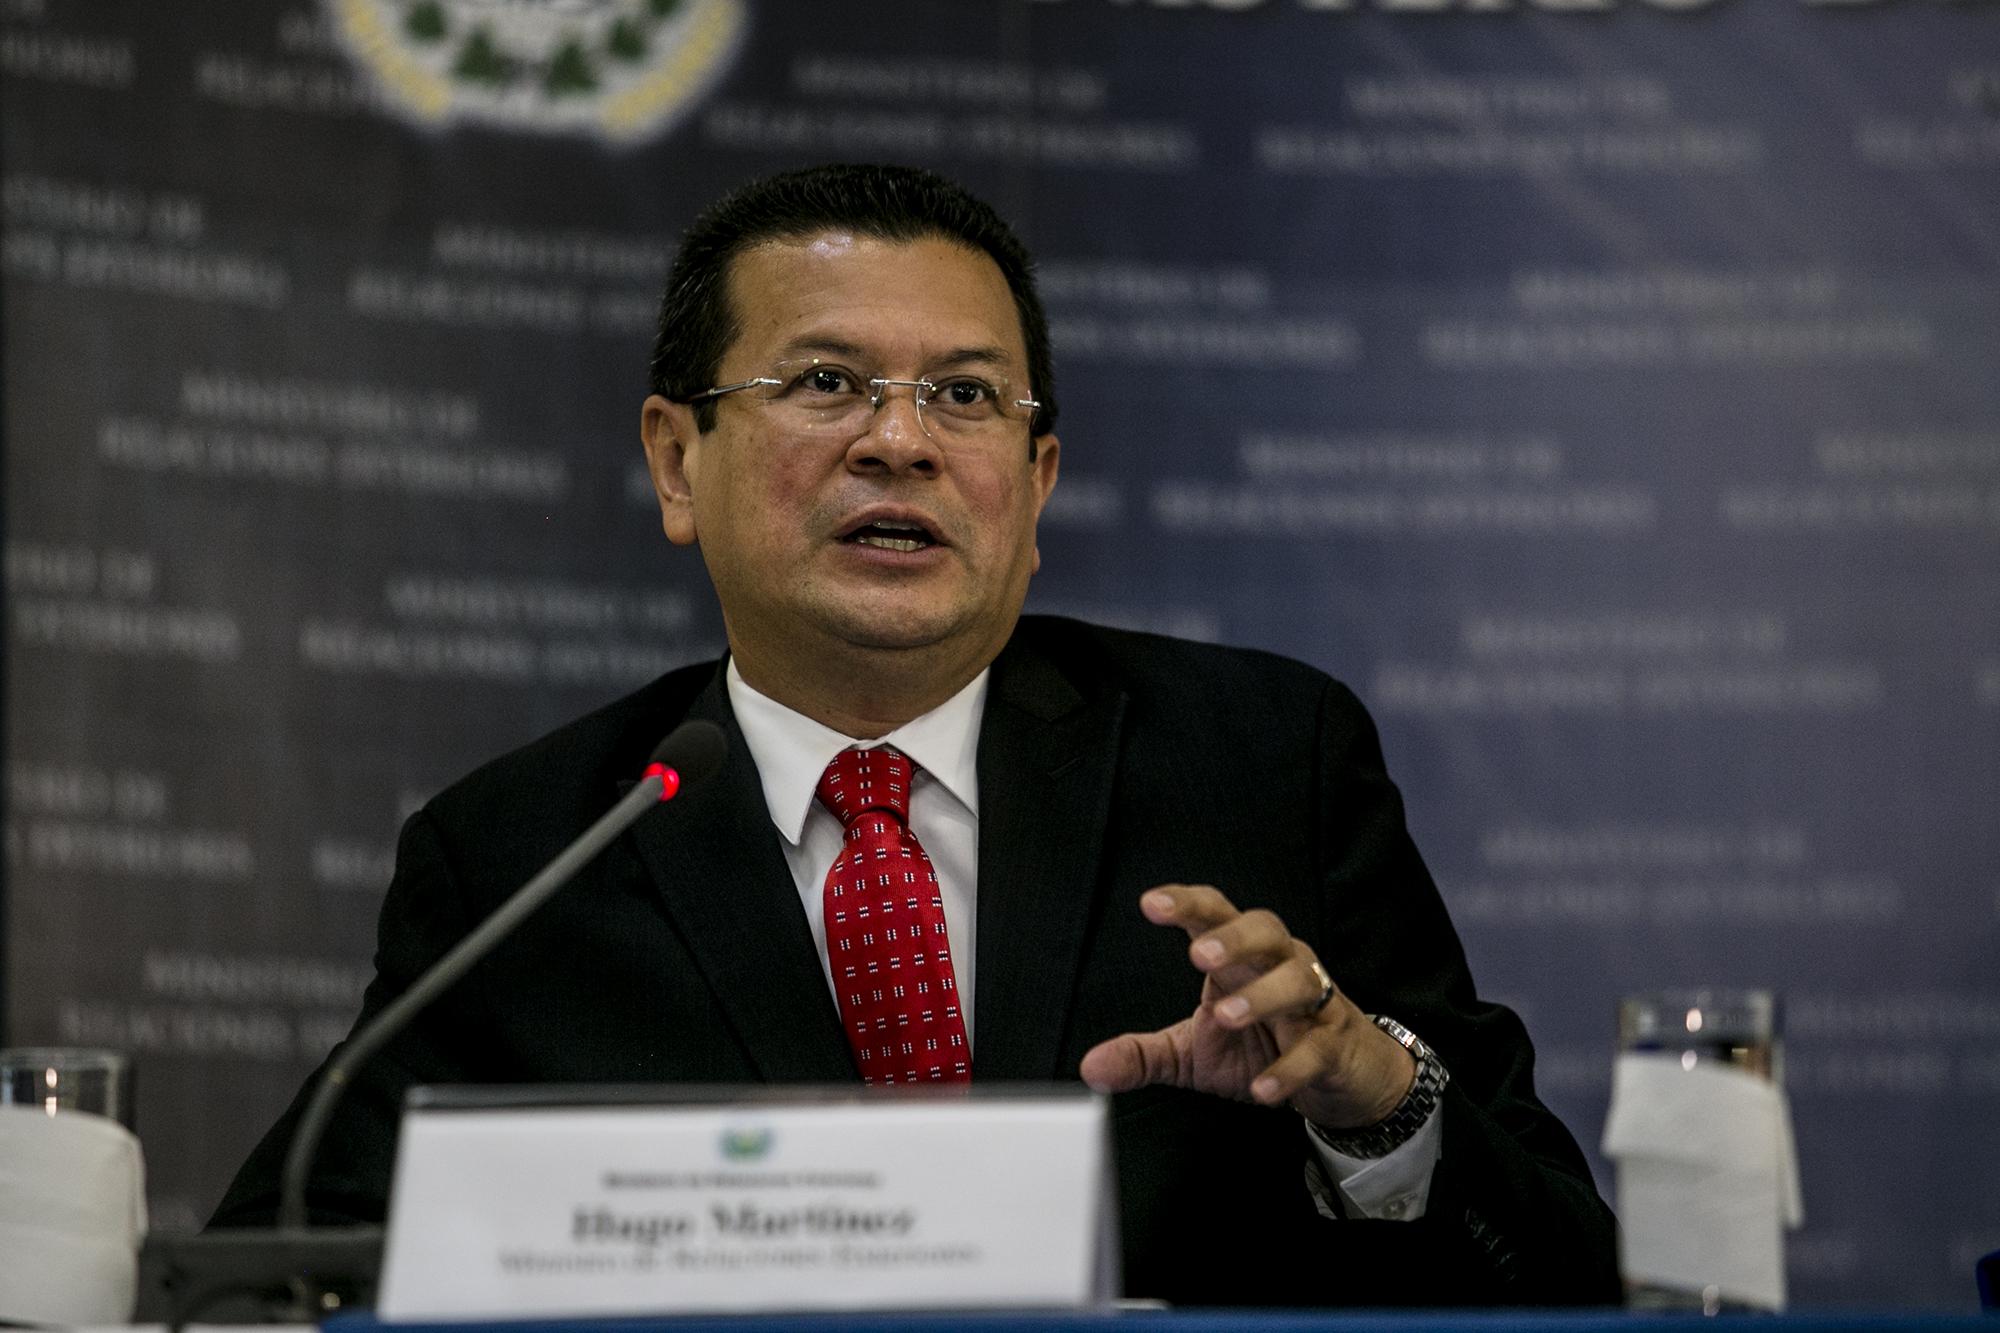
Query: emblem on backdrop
{"type": "Point", "coordinates": [622, 69]}
{"type": "Point", "coordinates": [746, 1144]}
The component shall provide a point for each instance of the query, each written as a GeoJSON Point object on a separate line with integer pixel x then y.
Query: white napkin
{"type": "Point", "coordinates": [72, 1214]}
{"type": "Point", "coordinates": [1708, 1177]}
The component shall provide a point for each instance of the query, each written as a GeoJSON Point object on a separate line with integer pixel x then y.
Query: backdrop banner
{"type": "Point", "coordinates": [1604, 388]}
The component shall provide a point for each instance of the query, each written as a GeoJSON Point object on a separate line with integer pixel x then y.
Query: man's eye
{"type": "Point", "coordinates": [827, 381]}
{"type": "Point", "coordinates": [963, 393]}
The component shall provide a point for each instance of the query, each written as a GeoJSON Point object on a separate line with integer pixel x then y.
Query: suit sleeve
{"type": "Point", "coordinates": [422, 917]}
{"type": "Point", "coordinates": [1513, 1213]}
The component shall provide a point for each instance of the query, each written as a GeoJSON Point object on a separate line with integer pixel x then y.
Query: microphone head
{"type": "Point", "coordinates": [693, 750]}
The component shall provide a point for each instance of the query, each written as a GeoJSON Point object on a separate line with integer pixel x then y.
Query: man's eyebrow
{"type": "Point", "coordinates": [967, 355]}
{"type": "Point", "coordinates": [820, 344]}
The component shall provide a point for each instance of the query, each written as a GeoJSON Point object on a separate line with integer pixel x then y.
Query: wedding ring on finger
{"type": "Point", "coordinates": [1325, 987]}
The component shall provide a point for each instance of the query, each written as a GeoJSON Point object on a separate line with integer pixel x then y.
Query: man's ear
{"type": "Point", "coordinates": [671, 441]}
{"type": "Point", "coordinates": [1046, 463]}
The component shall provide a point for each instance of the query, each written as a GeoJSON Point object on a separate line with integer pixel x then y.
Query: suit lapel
{"type": "Point", "coordinates": [716, 860]}
{"type": "Point", "coordinates": [1047, 756]}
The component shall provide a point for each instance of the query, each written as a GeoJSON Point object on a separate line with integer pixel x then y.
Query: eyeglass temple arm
{"type": "Point", "coordinates": [721, 389]}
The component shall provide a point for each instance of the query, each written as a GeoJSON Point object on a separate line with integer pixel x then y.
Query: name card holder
{"type": "Point", "coordinates": [562, 1202]}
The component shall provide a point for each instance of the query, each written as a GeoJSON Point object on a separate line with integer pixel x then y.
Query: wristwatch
{"type": "Point", "coordinates": [1394, 1130]}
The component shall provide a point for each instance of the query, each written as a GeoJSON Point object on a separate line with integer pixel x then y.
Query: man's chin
{"type": "Point", "coordinates": [893, 633]}
{"type": "Point", "coordinates": [899, 624]}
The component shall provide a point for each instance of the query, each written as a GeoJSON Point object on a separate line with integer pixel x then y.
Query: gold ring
{"type": "Point", "coordinates": [1326, 987]}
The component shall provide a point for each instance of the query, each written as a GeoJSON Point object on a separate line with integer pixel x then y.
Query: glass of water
{"type": "Point", "coordinates": [1737, 1028]}
{"type": "Point", "coordinates": [56, 1079]}
{"type": "Point", "coordinates": [1732, 1027]}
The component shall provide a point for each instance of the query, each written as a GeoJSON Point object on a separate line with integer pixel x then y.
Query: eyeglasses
{"type": "Point", "coordinates": [826, 400]}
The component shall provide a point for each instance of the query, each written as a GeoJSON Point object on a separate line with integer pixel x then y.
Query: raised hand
{"type": "Point", "coordinates": [1272, 1026]}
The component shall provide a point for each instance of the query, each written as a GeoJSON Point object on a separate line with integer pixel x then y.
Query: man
{"type": "Point", "coordinates": [1129, 860]}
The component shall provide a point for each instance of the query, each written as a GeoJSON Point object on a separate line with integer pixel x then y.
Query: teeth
{"type": "Point", "coordinates": [888, 543]}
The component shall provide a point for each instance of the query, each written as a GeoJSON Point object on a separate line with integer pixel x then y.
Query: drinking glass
{"type": "Point", "coordinates": [68, 1078]}
{"type": "Point", "coordinates": [1738, 1028]}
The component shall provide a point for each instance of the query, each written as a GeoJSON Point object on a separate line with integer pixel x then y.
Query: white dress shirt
{"type": "Point", "coordinates": [791, 750]}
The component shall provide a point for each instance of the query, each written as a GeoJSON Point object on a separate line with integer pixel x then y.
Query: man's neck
{"type": "Point", "coordinates": [863, 693]}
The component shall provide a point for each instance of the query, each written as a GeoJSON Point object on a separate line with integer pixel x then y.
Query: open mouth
{"type": "Point", "coordinates": [888, 534]}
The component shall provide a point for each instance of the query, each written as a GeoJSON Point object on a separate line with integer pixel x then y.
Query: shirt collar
{"type": "Point", "coordinates": [792, 750]}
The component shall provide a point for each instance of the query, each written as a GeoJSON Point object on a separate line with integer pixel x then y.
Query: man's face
{"type": "Point", "coordinates": [787, 521]}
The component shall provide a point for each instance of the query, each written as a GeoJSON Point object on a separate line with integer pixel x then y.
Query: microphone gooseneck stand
{"type": "Point", "coordinates": [296, 1272]}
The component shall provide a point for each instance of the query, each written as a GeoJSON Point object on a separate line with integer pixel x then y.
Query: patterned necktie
{"type": "Point", "coordinates": [892, 975]}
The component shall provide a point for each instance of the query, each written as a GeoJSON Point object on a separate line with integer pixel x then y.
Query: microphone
{"type": "Point", "coordinates": [260, 1261]}
{"type": "Point", "coordinates": [690, 753]}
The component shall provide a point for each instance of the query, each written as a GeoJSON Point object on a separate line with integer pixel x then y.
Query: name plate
{"type": "Point", "coordinates": [971, 1201]}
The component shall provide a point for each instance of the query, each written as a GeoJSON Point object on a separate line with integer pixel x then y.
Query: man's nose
{"type": "Point", "coordinates": [896, 438]}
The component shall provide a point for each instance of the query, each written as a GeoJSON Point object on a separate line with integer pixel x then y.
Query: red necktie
{"type": "Point", "coordinates": [892, 975]}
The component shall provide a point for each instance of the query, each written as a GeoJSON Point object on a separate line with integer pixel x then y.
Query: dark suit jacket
{"type": "Point", "coordinates": [1108, 762]}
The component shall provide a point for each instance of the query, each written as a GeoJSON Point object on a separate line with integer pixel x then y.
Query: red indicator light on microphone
{"type": "Point", "coordinates": [670, 781]}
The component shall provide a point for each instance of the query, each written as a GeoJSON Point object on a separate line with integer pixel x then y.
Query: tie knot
{"type": "Point", "coordinates": [860, 780]}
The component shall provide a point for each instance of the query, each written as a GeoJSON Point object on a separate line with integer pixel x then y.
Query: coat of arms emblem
{"type": "Point", "coordinates": [625, 69]}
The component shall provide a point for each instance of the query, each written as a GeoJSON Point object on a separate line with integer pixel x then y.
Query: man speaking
{"type": "Point", "coordinates": [1175, 871]}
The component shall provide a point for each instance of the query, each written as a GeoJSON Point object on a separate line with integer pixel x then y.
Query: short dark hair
{"type": "Point", "coordinates": [889, 203]}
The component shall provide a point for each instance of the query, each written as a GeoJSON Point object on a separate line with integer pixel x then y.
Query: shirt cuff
{"type": "Point", "coordinates": [1395, 1187]}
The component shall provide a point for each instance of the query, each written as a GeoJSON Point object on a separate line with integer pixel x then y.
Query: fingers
{"type": "Point", "coordinates": [1310, 1061]}
{"type": "Point", "coordinates": [1133, 1060]}
{"type": "Point", "coordinates": [1221, 934]}
{"type": "Point", "coordinates": [1264, 995]}
{"type": "Point", "coordinates": [1232, 947]}
{"type": "Point", "coordinates": [1247, 946]}
{"type": "Point", "coordinates": [1196, 907]}
{"type": "Point", "coordinates": [1293, 988]}
{"type": "Point", "coordinates": [1340, 1074]}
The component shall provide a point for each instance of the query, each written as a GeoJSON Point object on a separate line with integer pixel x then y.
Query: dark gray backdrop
{"type": "Point", "coordinates": [1605, 390]}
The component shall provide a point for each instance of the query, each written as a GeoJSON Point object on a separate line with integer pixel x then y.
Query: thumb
{"type": "Point", "coordinates": [1134, 1060]}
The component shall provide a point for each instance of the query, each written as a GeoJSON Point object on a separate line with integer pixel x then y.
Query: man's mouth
{"type": "Point", "coordinates": [888, 534]}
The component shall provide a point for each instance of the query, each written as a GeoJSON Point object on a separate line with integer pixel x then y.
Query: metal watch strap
{"type": "Point", "coordinates": [1394, 1130]}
